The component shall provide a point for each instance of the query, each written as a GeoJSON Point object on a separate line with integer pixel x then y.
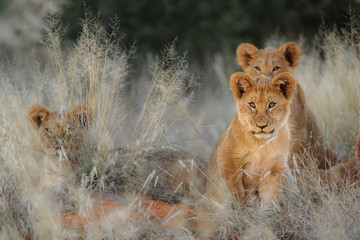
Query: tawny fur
{"type": "Point", "coordinates": [250, 158]}
{"type": "Point", "coordinates": [62, 134]}
{"type": "Point", "coordinates": [307, 142]}
{"type": "Point", "coordinates": [347, 171]}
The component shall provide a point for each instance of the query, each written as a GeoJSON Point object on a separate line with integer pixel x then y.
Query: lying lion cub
{"type": "Point", "coordinates": [251, 157]}
{"type": "Point", "coordinates": [66, 135]}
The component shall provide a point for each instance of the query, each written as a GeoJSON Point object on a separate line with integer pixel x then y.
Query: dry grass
{"type": "Point", "coordinates": [162, 109]}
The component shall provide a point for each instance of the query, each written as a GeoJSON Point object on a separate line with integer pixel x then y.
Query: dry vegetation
{"type": "Point", "coordinates": [163, 108]}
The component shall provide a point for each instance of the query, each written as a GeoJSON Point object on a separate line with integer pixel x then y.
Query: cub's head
{"type": "Point", "coordinates": [61, 131]}
{"type": "Point", "coordinates": [263, 104]}
{"type": "Point", "coordinates": [268, 61]}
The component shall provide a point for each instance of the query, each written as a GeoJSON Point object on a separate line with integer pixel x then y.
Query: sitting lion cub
{"type": "Point", "coordinates": [252, 155]}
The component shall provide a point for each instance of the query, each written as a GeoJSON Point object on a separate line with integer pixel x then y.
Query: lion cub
{"type": "Point", "coordinates": [251, 156]}
{"type": "Point", "coordinates": [67, 135]}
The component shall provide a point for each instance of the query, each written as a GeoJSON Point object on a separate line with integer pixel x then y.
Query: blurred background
{"type": "Point", "coordinates": [202, 27]}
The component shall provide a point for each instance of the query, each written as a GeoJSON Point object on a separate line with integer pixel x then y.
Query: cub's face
{"type": "Point", "coordinates": [61, 131]}
{"type": "Point", "coordinates": [268, 61]}
{"type": "Point", "coordinates": [263, 104]}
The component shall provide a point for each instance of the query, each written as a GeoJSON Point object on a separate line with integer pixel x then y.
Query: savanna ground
{"type": "Point", "coordinates": [169, 101]}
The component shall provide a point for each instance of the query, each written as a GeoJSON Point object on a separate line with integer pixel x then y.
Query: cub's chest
{"type": "Point", "coordinates": [257, 161]}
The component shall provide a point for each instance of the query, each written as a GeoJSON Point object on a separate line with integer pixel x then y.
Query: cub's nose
{"type": "Point", "coordinates": [262, 126]}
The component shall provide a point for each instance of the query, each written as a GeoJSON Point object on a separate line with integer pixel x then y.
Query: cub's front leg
{"type": "Point", "coordinates": [270, 184]}
{"type": "Point", "coordinates": [232, 178]}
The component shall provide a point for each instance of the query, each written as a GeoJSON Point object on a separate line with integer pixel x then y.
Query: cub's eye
{"type": "Point", "coordinates": [47, 130]}
{"type": "Point", "coordinates": [275, 68]}
{"type": "Point", "coordinates": [272, 105]}
{"type": "Point", "coordinates": [252, 105]}
{"type": "Point", "coordinates": [257, 68]}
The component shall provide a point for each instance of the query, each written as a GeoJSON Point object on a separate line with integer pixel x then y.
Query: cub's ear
{"type": "Point", "coordinates": [291, 52]}
{"type": "Point", "coordinates": [284, 83]}
{"type": "Point", "coordinates": [245, 53]}
{"type": "Point", "coordinates": [38, 115]}
{"type": "Point", "coordinates": [83, 114]}
{"type": "Point", "coordinates": [240, 83]}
